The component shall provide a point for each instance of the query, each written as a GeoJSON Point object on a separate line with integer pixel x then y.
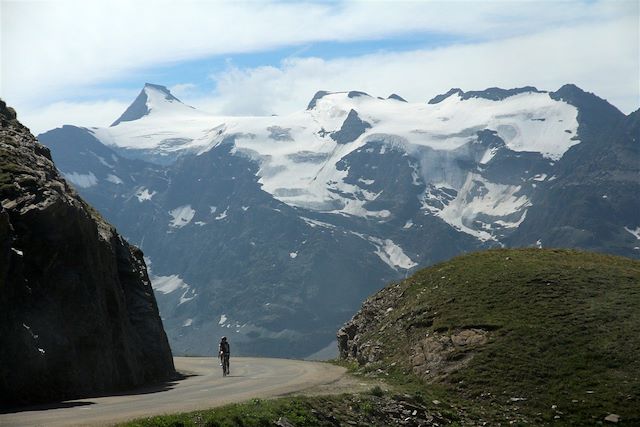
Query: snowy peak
{"type": "Point", "coordinates": [151, 98]}
{"type": "Point", "coordinates": [153, 90]}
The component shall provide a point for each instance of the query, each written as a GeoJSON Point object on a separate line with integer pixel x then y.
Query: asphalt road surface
{"type": "Point", "coordinates": [204, 387]}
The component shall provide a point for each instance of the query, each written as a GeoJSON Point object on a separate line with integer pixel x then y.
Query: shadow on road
{"type": "Point", "coordinates": [148, 389]}
{"type": "Point", "coordinates": [46, 406]}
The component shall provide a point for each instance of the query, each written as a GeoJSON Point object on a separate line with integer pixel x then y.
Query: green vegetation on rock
{"type": "Point", "coordinates": [555, 333]}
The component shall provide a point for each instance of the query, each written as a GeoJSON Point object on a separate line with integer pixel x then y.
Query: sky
{"type": "Point", "coordinates": [83, 62]}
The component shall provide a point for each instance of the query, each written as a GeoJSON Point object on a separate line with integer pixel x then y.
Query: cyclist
{"type": "Point", "coordinates": [223, 352]}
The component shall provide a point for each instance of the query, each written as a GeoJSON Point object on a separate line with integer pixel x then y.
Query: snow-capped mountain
{"type": "Point", "coordinates": [274, 229]}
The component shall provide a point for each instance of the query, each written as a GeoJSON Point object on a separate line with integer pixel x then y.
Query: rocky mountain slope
{"type": "Point", "coordinates": [77, 312]}
{"type": "Point", "coordinates": [544, 335]}
{"type": "Point", "coordinates": [273, 229]}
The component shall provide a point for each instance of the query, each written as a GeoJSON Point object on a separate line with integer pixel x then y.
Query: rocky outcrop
{"type": "Point", "coordinates": [352, 127]}
{"type": "Point", "coordinates": [357, 338]}
{"type": "Point", "coordinates": [427, 353]}
{"type": "Point", "coordinates": [77, 312]}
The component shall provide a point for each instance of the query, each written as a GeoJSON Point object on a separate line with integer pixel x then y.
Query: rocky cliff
{"type": "Point", "coordinates": [77, 312]}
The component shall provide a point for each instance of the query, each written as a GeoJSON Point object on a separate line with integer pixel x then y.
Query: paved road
{"type": "Point", "coordinates": [205, 388]}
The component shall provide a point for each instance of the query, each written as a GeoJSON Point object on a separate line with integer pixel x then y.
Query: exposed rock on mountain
{"type": "Point", "coordinates": [351, 129]}
{"type": "Point", "coordinates": [77, 312]}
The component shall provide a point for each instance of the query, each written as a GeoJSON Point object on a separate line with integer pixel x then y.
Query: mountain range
{"type": "Point", "coordinates": [272, 230]}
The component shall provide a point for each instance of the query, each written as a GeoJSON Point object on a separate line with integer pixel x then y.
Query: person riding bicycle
{"type": "Point", "coordinates": [224, 350]}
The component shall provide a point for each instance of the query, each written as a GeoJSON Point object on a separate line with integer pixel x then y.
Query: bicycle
{"type": "Point", "coordinates": [224, 359]}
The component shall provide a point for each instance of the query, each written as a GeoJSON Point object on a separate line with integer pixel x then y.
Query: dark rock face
{"type": "Point", "coordinates": [319, 95]}
{"type": "Point", "coordinates": [397, 97]}
{"type": "Point", "coordinates": [439, 98]}
{"type": "Point", "coordinates": [77, 312]}
{"type": "Point", "coordinates": [357, 93]}
{"type": "Point", "coordinates": [351, 129]}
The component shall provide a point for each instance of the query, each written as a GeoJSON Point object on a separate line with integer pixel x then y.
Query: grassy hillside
{"type": "Point", "coordinates": [502, 337]}
{"type": "Point", "coordinates": [555, 333]}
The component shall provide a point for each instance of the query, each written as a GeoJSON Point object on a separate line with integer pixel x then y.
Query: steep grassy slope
{"type": "Point", "coordinates": [555, 333]}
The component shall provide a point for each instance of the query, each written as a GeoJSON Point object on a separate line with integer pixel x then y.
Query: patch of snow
{"type": "Point", "coordinates": [512, 224]}
{"type": "Point", "coordinates": [41, 350]}
{"type": "Point", "coordinates": [182, 216]}
{"type": "Point", "coordinates": [104, 162]}
{"type": "Point", "coordinates": [479, 196]}
{"type": "Point", "coordinates": [223, 215]}
{"type": "Point", "coordinates": [539, 243]}
{"type": "Point", "coordinates": [167, 284]}
{"type": "Point", "coordinates": [293, 255]}
{"type": "Point", "coordinates": [81, 180]}
{"type": "Point", "coordinates": [313, 223]}
{"type": "Point", "coordinates": [366, 181]}
{"type": "Point", "coordinates": [184, 298]}
{"type": "Point", "coordinates": [245, 208]}
{"type": "Point", "coordinates": [17, 251]}
{"type": "Point", "coordinates": [143, 194]}
{"type": "Point", "coordinates": [200, 223]}
{"type": "Point", "coordinates": [114, 179]}
{"type": "Point", "coordinates": [408, 224]}
{"type": "Point", "coordinates": [187, 322]}
{"type": "Point", "coordinates": [212, 209]}
{"type": "Point", "coordinates": [635, 232]}
{"type": "Point", "coordinates": [223, 319]}
{"type": "Point", "coordinates": [540, 177]}
{"type": "Point", "coordinates": [392, 254]}
{"type": "Point", "coordinates": [488, 155]}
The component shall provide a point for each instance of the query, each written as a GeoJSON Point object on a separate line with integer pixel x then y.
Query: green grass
{"type": "Point", "coordinates": [359, 409]}
{"type": "Point", "coordinates": [565, 330]}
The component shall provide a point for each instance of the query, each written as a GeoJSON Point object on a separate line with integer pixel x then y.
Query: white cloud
{"type": "Point", "coordinates": [87, 114]}
{"type": "Point", "coordinates": [55, 48]}
{"type": "Point", "coordinates": [51, 46]}
{"type": "Point", "coordinates": [599, 58]}
{"type": "Point", "coordinates": [182, 90]}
